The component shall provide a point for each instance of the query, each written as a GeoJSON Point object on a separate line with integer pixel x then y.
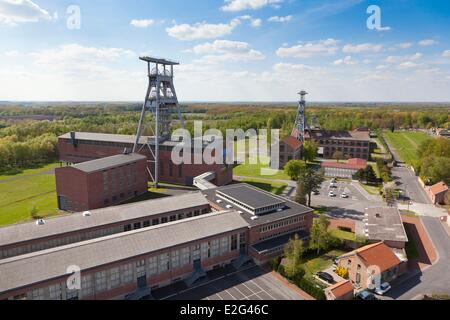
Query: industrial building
{"type": "Point", "coordinates": [126, 251]}
{"type": "Point", "coordinates": [344, 170]}
{"type": "Point", "coordinates": [102, 182]}
{"type": "Point", "coordinates": [290, 149]}
{"type": "Point", "coordinates": [352, 144]}
{"type": "Point", "coordinates": [78, 147]}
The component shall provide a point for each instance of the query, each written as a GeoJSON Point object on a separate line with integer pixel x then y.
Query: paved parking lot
{"type": "Point", "coordinates": [252, 284]}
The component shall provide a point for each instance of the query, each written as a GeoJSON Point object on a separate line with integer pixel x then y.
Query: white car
{"type": "Point", "coordinates": [332, 194]}
{"type": "Point", "coordinates": [385, 287]}
{"type": "Point", "coordinates": [344, 195]}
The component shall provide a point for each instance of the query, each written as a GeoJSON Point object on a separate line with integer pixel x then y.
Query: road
{"type": "Point", "coordinates": [435, 279]}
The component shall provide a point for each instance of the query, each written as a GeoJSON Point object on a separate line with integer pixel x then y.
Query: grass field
{"type": "Point", "coordinates": [31, 189]}
{"type": "Point", "coordinates": [407, 144]}
{"type": "Point", "coordinates": [254, 171]}
{"type": "Point", "coordinates": [325, 261]}
{"type": "Point", "coordinates": [343, 235]}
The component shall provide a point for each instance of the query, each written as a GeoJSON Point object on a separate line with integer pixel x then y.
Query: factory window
{"type": "Point", "coordinates": [55, 292]}
{"type": "Point", "coordinates": [164, 220]}
{"type": "Point", "coordinates": [189, 215]}
{"type": "Point", "coordinates": [173, 218]}
{"type": "Point", "coordinates": [175, 259]}
{"type": "Point", "coordinates": [181, 216]}
{"type": "Point", "coordinates": [196, 213]}
{"type": "Point", "coordinates": [137, 225]}
{"type": "Point", "coordinates": [126, 273]}
{"type": "Point", "coordinates": [155, 222]}
{"type": "Point", "coordinates": [114, 276]}
{"type": "Point", "coordinates": [38, 294]}
{"type": "Point", "coordinates": [163, 263]}
{"type": "Point", "coordinates": [224, 245]}
{"type": "Point", "coordinates": [153, 266]}
{"type": "Point", "coordinates": [234, 242]}
{"type": "Point", "coordinates": [215, 248]}
{"type": "Point", "coordinates": [185, 256]}
{"type": "Point", "coordinates": [127, 228]}
{"type": "Point", "coordinates": [147, 224]}
{"type": "Point", "coordinates": [100, 281]}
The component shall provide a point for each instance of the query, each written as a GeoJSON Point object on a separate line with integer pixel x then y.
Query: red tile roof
{"type": "Point", "coordinates": [439, 188]}
{"type": "Point", "coordinates": [354, 164]}
{"type": "Point", "coordinates": [293, 142]}
{"type": "Point", "coordinates": [341, 289]}
{"type": "Point", "coordinates": [379, 255]}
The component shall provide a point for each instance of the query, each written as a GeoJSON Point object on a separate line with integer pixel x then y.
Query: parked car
{"type": "Point", "coordinates": [326, 277]}
{"type": "Point", "coordinates": [333, 185]}
{"type": "Point", "coordinates": [385, 287]}
{"type": "Point", "coordinates": [332, 194]}
{"type": "Point", "coordinates": [344, 195]}
{"type": "Point", "coordinates": [366, 295]}
{"type": "Point", "coordinates": [315, 192]}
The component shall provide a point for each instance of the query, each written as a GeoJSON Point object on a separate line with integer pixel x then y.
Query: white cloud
{"type": "Point", "coordinates": [240, 5]}
{"type": "Point", "coordinates": [405, 45]}
{"type": "Point", "coordinates": [360, 48]}
{"type": "Point", "coordinates": [226, 50]}
{"type": "Point", "coordinates": [399, 59]}
{"type": "Point", "coordinates": [347, 61]}
{"type": "Point", "coordinates": [408, 65]}
{"type": "Point", "coordinates": [307, 50]}
{"type": "Point", "coordinates": [143, 23]}
{"type": "Point", "coordinates": [280, 19]}
{"type": "Point", "coordinates": [12, 54]}
{"type": "Point", "coordinates": [13, 12]}
{"type": "Point", "coordinates": [427, 42]}
{"type": "Point", "coordinates": [204, 30]}
{"type": "Point", "coordinates": [446, 54]}
{"type": "Point", "coordinates": [256, 23]}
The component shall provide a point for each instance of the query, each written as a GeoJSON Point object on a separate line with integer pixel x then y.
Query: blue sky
{"type": "Point", "coordinates": [230, 50]}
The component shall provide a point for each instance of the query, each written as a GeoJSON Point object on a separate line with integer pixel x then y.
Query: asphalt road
{"type": "Point", "coordinates": [435, 279]}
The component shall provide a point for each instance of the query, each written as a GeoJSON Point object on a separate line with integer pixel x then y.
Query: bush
{"type": "Point", "coordinates": [311, 289]}
{"type": "Point", "coordinates": [281, 270]}
{"type": "Point", "coordinates": [275, 263]}
{"type": "Point", "coordinates": [342, 272]}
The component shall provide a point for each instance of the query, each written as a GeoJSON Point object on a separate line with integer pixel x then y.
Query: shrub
{"type": "Point", "coordinates": [275, 263]}
{"type": "Point", "coordinates": [311, 288]}
{"type": "Point", "coordinates": [342, 272]}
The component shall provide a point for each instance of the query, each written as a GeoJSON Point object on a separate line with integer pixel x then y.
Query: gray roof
{"type": "Point", "coordinates": [278, 242]}
{"type": "Point", "coordinates": [385, 224]}
{"type": "Point", "coordinates": [291, 208]}
{"type": "Point", "coordinates": [117, 138]}
{"type": "Point", "coordinates": [101, 217]}
{"type": "Point", "coordinates": [250, 196]}
{"type": "Point", "coordinates": [109, 162]}
{"type": "Point", "coordinates": [340, 135]}
{"type": "Point", "coordinates": [40, 266]}
{"type": "Point", "coordinates": [159, 60]}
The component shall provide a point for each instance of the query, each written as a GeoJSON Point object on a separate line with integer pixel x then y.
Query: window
{"type": "Point", "coordinates": [155, 222]}
{"type": "Point", "coordinates": [137, 225]}
{"type": "Point", "coordinates": [100, 281]}
{"type": "Point", "coordinates": [234, 242]}
{"type": "Point", "coordinates": [140, 269]}
{"type": "Point", "coordinates": [86, 286]}
{"type": "Point", "coordinates": [114, 277]}
{"type": "Point", "coordinates": [126, 273]}
{"type": "Point", "coordinates": [38, 294]}
{"type": "Point", "coordinates": [224, 245]}
{"type": "Point", "coordinates": [127, 228]}
{"type": "Point", "coordinates": [153, 266]}
{"type": "Point", "coordinates": [147, 224]}
{"type": "Point", "coordinates": [55, 292]}
{"type": "Point", "coordinates": [185, 256]}
{"type": "Point", "coordinates": [173, 218]}
{"type": "Point", "coordinates": [164, 220]}
{"type": "Point", "coordinates": [175, 259]}
{"type": "Point", "coordinates": [358, 278]}
{"type": "Point", "coordinates": [163, 265]}
{"type": "Point", "coordinates": [215, 248]}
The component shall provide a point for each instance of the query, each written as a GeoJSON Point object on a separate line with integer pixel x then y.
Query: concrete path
{"type": "Point", "coordinates": [424, 210]}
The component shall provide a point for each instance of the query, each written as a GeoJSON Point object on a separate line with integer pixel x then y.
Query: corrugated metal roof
{"type": "Point", "coordinates": [108, 162]}
{"type": "Point", "coordinates": [30, 269]}
{"type": "Point", "coordinates": [100, 217]}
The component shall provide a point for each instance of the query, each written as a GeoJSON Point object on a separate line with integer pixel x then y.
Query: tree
{"type": "Point", "coordinates": [293, 169]}
{"type": "Point", "coordinates": [294, 252]}
{"type": "Point", "coordinates": [361, 175]}
{"type": "Point", "coordinates": [300, 195]}
{"type": "Point", "coordinates": [338, 155]}
{"type": "Point", "coordinates": [370, 175]}
{"type": "Point", "coordinates": [310, 150]}
{"type": "Point", "coordinates": [312, 181]}
{"type": "Point", "coordinates": [320, 237]}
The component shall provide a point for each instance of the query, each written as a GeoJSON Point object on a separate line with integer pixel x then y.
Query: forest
{"type": "Point", "coordinates": [25, 141]}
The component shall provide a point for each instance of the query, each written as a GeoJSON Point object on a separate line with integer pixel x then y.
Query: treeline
{"type": "Point", "coordinates": [434, 163]}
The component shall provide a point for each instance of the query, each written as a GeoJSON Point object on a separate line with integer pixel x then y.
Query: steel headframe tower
{"type": "Point", "coordinates": [300, 121]}
{"type": "Point", "coordinates": [161, 100]}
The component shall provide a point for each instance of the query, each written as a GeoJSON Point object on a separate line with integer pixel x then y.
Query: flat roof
{"type": "Point", "coordinates": [250, 196]}
{"type": "Point", "coordinates": [340, 135]}
{"type": "Point", "coordinates": [159, 60]}
{"type": "Point", "coordinates": [108, 162]}
{"type": "Point", "coordinates": [278, 242]}
{"type": "Point", "coordinates": [291, 209]}
{"type": "Point", "coordinates": [26, 270]}
{"type": "Point", "coordinates": [385, 224]}
{"type": "Point", "coordinates": [101, 217]}
{"type": "Point", "coordinates": [120, 138]}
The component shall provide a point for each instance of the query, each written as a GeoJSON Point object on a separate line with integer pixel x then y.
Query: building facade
{"type": "Point", "coordinates": [290, 149]}
{"type": "Point", "coordinates": [101, 183]}
{"type": "Point", "coordinates": [352, 144]}
{"type": "Point", "coordinates": [345, 170]}
{"type": "Point", "coordinates": [78, 147]}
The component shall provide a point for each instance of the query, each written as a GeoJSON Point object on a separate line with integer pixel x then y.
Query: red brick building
{"type": "Point", "coordinates": [102, 182]}
{"type": "Point", "coordinates": [290, 149]}
{"type": "Point", "coordinates": [78, 147]}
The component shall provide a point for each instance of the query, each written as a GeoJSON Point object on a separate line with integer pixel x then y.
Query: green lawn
{"type": "Point", "coordinates": [371, 189]}
{"type": "Point", "coordinates": [19, 197]}
{"type": "Point", "coordinates": [27, 172]}
{"type": "Point", "coordinates": [411, 249]}
{"type": "Point", "coordinates": [343, 235]}
{"type": "Point", "coordinates": [254, 171]}
{"type": "Point", "coordinates": [273, 187]}
{"type": "Point", "coordinates": [407, 144]}
{"type": "Point", "coordinates": [322, 262]}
